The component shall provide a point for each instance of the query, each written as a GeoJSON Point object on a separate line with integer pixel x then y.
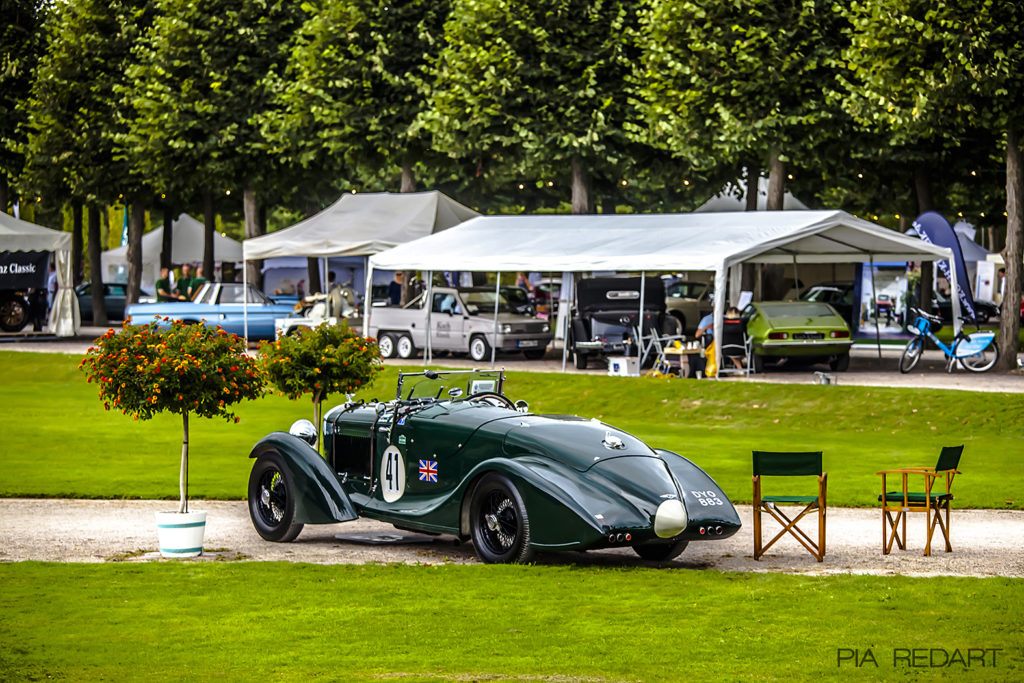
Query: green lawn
{"type": "Point", "coordinates": [58, 441]}
{"type": "Point", "coordinates": [253, 621]}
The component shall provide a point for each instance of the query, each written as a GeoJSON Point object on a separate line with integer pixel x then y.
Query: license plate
{"type": "Point", "coordinates": [526, 343]}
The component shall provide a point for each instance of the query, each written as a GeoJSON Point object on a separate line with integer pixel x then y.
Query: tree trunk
{"type": "Point", "coordinates": [922, 188]}
{"type": "Point", "coordinates": [4, 194]}
{"type": "Point", "coordinates": [318, 398]}
{"type": "Point", "coordinates": [99, 306]}
{"type": "Point", "coordinates": [76, 241]}
{"type": "Point", "coordinates": [408, 179]}
{"type": "Point", "coordinates": [1009, 318]}
{"type": "Point", "coordinates": [167, 241]}
{"type": "Point", "coordinates": [252, 229]}
{"type": "Point", "coordinates": [183, 475]}
{"type": "Point", "coordinates": [774, 284]}
{"type": "Point", "coordinates": [753, 175]}
{"type": "Point", "coordinates": [136, 222]}
{"type": "Point", "coordinates": [313, 275]}
{"type": "Point", "coordinates": [209, 227]}
{"type": "Point", "coordinates": [580, 187]}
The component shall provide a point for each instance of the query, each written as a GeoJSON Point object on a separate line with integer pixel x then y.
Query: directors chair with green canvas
{"type": "Point", "coordinates": [932, 501]}
{"type": "Point", "coordinates": [769, 464]}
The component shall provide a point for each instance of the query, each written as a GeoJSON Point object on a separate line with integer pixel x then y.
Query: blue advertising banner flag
{"type": "Point", "coordinates": [935, 229]}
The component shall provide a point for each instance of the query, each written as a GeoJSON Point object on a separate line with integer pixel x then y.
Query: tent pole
{"type": "Point", "coordinates": [796, 278]}
{"type": "Point", "coordinates": [430, 307]}
{"type": "Point", "coordinates": [497, 293]}
{"type": "Point", "coordinates": [367, 298]}
{"type": "Point", "coordinates": [245, 298]}
{"type": "Point", "coordinates": [640, 327]}
{"type": "Point", "coordinates": [568, 319]}
{"type": "Point", "coordinates": [874, 300]}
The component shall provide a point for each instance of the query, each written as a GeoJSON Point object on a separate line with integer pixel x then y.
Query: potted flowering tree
{"type": "Point", "coordinates": [319, 361]}
{"type": "Point", "coordinates": [186, 369]}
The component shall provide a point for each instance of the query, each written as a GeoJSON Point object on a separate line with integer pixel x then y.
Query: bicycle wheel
{"type": "Point", "coordinates": [980, 361]}
{"type": "Point", "coordinates": [911, 354]}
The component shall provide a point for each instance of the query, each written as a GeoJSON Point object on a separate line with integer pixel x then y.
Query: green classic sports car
{"type": "Point", "coordinates": [809, 330]}
{"type": "Point", "coordinates": [452, 455]}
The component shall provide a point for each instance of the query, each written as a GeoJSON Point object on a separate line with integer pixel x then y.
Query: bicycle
{"type": "Point", "coordinates": [976, 352]}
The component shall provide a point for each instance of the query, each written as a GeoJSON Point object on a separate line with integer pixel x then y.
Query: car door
{"type": "Point", "coordinates": [447, 322]}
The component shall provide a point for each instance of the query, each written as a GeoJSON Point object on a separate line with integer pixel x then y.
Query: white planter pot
{"type": "Point", "coordinates": [180, 534]}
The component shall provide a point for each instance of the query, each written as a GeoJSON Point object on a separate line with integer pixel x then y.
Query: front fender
{"type": "Point", "coordinates": [706, 503]}
{"type": "Point", "coordinates": [319, 498]}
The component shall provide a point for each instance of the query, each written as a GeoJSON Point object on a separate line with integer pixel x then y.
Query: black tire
{"type": "Point", "coordinates": [757, 362]}
{"type": "Point", "coordinates": [498, 522]}
{"type": "Point", "coordinates": [272, 499]}
{"type": "Point", "coordinates": [386, 344]}
{"type": "Point", "coordinates": [660, 552]}
{"type": "Point", "coordinates": [911, 354]}
{"type": "Point", "coordinates": [981, 361]}
{"type": "Point", "coordinates": [404, 346]}
{"type": "Point", "coordinates": [682, 320]}
{"type": "Point", "coordinates": [479, 349]}
{"type": "Point", "coordinates": [13, 313]}
{"type": "Point", "coordinates": [672, 326]}
{"type": "Point", "coordinates": [840, 363]}
{"type": "Point", "coordinates": [579, 359]}
{"type": "Point", "coordinates": [534, 354]}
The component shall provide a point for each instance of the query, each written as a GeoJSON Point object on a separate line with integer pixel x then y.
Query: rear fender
{"type": "Point", "coordinates": [706, 503]}
{"type": "Point", "coordinates": [319, 498]}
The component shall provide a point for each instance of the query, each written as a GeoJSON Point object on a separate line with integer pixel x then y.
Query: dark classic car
{"type": "Point", "coordinates": [217, 305]}
{"type": "Point", "coordinates": [607, 314]}
{"type": "Point", "coordinates": [452, 455]}
{"type": "Point", "coordinates": [983, 310]}
{"type": "Point", "coordinates": [114, 296]}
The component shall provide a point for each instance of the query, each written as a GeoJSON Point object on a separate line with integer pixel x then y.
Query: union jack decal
{"type": "Point", "coordinates": [428, 470]}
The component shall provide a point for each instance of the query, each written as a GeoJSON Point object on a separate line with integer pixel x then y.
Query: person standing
{"type": "Point", "coordinates": [395, 290]}
{"type": "Point", "coordinates": [184, 283]}
{"type": "Point", "coordinates": [51, 288]}
{"type": "Point", "coordinates": [163, 286]}
{"type": "Point", "coordinates": [197, 283]}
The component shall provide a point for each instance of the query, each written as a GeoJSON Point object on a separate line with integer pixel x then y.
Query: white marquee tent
{"type": "Point", "coordinates": [731, 198]}
{"type": "Point", "coordinates": [713, 242]}
{"type": "Point", "coordinates": [186, 247]}
{"type": "Point", "coordinates": [19, 235]}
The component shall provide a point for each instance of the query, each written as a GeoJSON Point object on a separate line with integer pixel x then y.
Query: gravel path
{"type": "Point", "coordinates": [985, 542]}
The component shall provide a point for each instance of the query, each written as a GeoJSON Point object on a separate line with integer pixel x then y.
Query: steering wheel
{"type": "Point", "coordinates": [490, 398]}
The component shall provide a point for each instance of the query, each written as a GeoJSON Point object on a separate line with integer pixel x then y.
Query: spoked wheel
{"type": "Point", "coordinates": [911, 354]}
{"type": "Point", "coordinates": [272, 500]}
{"type": "Point", "coordinates": [498, 522]}
{"type": "Point", "coordinates": [978, 362]}
{"type": "Point", "coordinates": [13, 313]}
{"type": "Point", "coordinates": [660, 552]}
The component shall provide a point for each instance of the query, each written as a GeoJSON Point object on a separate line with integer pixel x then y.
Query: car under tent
{"type": "Point", "coordinates": [713, 242]}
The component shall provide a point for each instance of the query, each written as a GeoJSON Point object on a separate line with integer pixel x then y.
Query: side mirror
{"type": "Point", "coordinates": [455, 392]}
{"type": "Point", "coordinates": [522, 406]}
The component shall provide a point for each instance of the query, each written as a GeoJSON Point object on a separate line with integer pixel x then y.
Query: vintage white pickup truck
{"type": "Point", "coordinates": [461, 320]}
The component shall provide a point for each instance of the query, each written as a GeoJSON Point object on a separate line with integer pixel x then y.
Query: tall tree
{"type": "Point", "coordinates": [924, 70]}
{"type": "Point", "coordinates": [198, 87]}
{"type": "Point", "coordinates": [538, 87]}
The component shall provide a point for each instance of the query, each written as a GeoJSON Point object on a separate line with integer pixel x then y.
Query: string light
{"type": "Point", "coordinates": [790, 176]}
{"type": "Point", "coordinates": [860, 175]}
{"type": "Point", "coordinates": [974, 173]}
{"type": "Point", "coordinates": [897, 216]}
{"type": "Point", "coordinates": [227, 192]}
{"type": "Point", "coordinates": [686, 182]}
{"type": "Point", "coordinates": [551, 183]}
{"type": "Point", "coordinates": [624, 183]}
{"type": "Point", "coordinates": [521, 186]}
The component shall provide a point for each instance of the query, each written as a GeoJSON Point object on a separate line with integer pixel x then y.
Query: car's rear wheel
{"type": "Point", "coordinates": [479, 349]}
{"type": "Point", "coordinates": [911, 355]}
{"type": "Point", "coordinates": [660, 552]}
{"type": "Point", "coordinates": [579, 359]}
{"type": "Point", "coordinates": [272, 499]}
{"type": "Point", "coordinates": [13, 313]}
{"type": "Point", "coordinates": [499, 524]}
{"type": "Point", "coordinates": [405, 347]}
{"type": "Point", "coordinates": [756, 362]}
{"type": "Point", "coordinates": [386, 344]}
{"type": "Point", "coordinates": [840, 363]}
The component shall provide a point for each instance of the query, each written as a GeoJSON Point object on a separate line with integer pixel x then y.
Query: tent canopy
{"type": "Point", "coordinates": [653, 242]}
{"type": "Point", "coordinates": [731, 198]}
{"type": "Point", "coordinates": [19, 235]}
{"type": "Point", "coordinates": [362, 224]}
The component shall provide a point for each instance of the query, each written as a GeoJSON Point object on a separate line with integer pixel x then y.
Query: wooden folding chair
{"type": "Point", "coordinates": [768, 464]}
{"type": "Point", "coordinates": [930, 501]}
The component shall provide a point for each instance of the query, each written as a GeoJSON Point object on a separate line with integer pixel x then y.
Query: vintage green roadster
{"type": "Point", "coordinates": [450, 454]}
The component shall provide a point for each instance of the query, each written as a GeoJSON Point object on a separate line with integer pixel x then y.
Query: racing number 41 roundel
{"type": "Point", "coordinates": [392, 475]}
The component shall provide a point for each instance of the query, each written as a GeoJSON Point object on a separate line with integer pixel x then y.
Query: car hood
{"type": "Point", "coordinates": [573, 441]}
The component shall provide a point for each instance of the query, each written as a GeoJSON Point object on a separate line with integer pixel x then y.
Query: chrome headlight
{"type": "Point", "coordinates": [305, 430]}
{"type": "Point", "coordinates": [545, 328]}
{"type": "Point", "coordinates": [506, 329]}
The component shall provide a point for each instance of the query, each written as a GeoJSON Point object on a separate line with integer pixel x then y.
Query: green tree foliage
{"type": "Point", "coordinates": [320, 361]}
{"type": "Point", "coordinates": [536, 88]}
{"type": "Point", "coordinates": [186, 369]}
{"type": "Point", "coordinates": [354, 85]}
{"type": "Point", "coordinates": [739, 83]}
{"type": "Point", "coordinates": [923, 70]}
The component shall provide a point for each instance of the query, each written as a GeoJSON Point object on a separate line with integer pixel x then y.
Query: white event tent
{"type": "Point", "coordinates": [19, 235]}
{"type": "Point", "coordinates": [715, 242]}
{"type": "Point", "coordinates": [186, 247]}
{"type": "Point", "coordinates": [360, 225]}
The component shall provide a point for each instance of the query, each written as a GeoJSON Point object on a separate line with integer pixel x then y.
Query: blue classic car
{"type": "Point", "coordinates": [217, 305]}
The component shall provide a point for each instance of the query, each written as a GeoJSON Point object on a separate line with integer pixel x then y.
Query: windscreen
{"type": "Point", "coordinates": [438, 384]}
{"type": "Point", "coordinates": [796, 309]}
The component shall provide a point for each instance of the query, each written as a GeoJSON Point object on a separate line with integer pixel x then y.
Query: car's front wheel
{"type": "Point", "coordinates": [13, 313]}
{"type": "Point", "coordinates": [479, 349]}
{"type": "Point", "coordinates": [272, 499]}
{"type": "Point", "coordinates": [499, 524]}
{"type": "Point", "coordinates": [660, 552]}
